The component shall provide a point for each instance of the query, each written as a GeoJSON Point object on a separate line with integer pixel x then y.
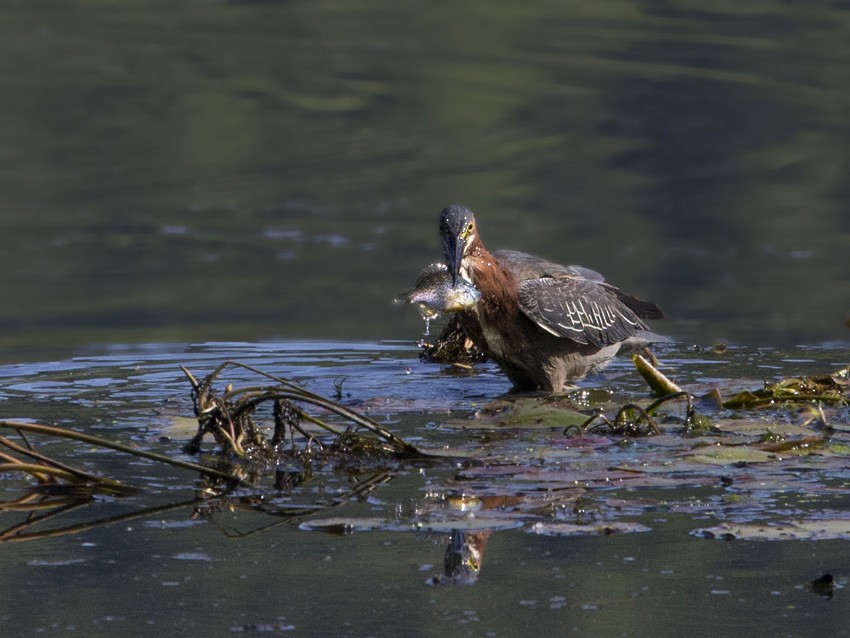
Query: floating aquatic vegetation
{"type": "Point", "coordinates": [340, 526]}
{"type": "Point", "coordinates": [580, 463]}
{"type": "Point", "coordinates": [586, 481]}
{"type": "Point", "coordinates": [830, 389]}
{"type": "Point", "coordinates": [452, 347]}
{"type": "Point", "coordinates": [561, 412]}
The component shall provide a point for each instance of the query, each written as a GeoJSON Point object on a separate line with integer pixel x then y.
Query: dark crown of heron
{"type": "Point", "coordinates": [456, 221]}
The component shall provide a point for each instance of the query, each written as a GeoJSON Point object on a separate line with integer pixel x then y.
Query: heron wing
{"type": "Point", "coordinates": [524, 266]}
{"type": "Point", "coordinates": [583, 310]}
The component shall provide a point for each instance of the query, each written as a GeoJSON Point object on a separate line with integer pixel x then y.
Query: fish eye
{"type": "Point", "coordinates": [470, 228]}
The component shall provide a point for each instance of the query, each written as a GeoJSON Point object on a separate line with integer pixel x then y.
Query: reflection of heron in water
{"type": "Point", "coordinates": [462, 561]}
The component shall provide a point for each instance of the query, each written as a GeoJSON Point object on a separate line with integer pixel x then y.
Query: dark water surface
{"type": "Point", "coordinates": [246, 170]}
{"type": "Point", "coordinates": [245, 174]}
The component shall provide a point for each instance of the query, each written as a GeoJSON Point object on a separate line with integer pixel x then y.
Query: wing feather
{"type": "Point", "coordinates": [583, 310]}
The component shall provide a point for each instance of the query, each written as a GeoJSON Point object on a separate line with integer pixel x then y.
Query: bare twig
{"type": "Point", "coordinates": [94, 440]}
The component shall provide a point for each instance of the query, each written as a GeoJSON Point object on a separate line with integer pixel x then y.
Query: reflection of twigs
{"type": "Point", "coordinates": [50, 508]}
{"type": "Point", "coordinates": [13, 534]}
{"type": "Point", "coordinates": [291, 514]}
{"type": "Point", "coordinates": [32, 502]}
{"type": "Point", "coordinates": [43, 507]}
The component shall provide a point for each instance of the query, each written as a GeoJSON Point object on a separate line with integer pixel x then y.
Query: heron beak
{"type": "Point", "coordinates": [453, 250]}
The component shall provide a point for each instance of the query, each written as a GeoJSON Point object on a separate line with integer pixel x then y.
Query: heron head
{"type": "Point", "coordinates": [457, 232]}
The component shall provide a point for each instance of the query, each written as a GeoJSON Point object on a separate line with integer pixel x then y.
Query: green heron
{"type": "Point", "coordinates": [544, 324]}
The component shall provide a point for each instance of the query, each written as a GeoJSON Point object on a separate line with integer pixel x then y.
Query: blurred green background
{"type": "Point", "coordinates": [188, 171]}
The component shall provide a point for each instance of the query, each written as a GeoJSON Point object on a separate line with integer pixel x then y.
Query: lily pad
{"type": "Point", "coordinates": [759, 429]}
{"type": "Point", "coordinates": [469, 524]}
{"type": "Point", "coordinates": [181, 427]}
{"type": "Point", "coordinates": [532, 412]}
{"type": "Point", "coordinates": [597, 529]}
{"type": "Point", "coordinates": [342, 526]}
{"type": "Point", "coordinates": [730, 455]}
{"type": "Point", "coordinates": [827, 529]}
